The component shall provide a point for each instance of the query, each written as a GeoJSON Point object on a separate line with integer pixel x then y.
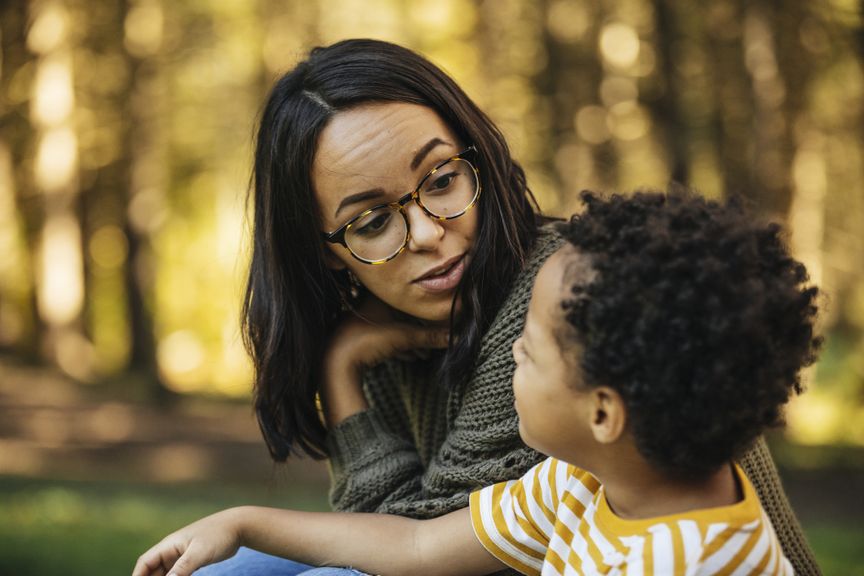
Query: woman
{"type": "Point", "coordinates": [395, 246]}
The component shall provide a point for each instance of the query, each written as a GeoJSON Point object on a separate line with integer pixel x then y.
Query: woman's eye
{"type": "Point", "coordinates": [375, 224]}
{"type": "Point", "coordinates": [442, 182]}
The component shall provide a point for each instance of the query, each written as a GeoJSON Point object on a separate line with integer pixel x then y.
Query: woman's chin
{"type": "Point", "coordinates": [436, 313]}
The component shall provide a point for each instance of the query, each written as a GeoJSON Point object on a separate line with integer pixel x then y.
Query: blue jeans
{"type": "Point", "coordinates": [249, 562]}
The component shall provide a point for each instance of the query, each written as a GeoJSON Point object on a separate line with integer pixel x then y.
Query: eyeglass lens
{"type": "Point", "coordinates": [446, 193]}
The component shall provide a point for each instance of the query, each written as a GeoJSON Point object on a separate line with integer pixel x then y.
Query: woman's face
{"type": "Point", "coordinates": [374, 154]}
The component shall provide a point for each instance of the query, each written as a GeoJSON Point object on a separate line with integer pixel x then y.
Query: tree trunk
{"type": "Point", "coordinates": [18, 138]}
{"type": "Point", "coordinates": [143, 174]}
{"type": "Point", "coordinates": [733, 115]}
{"type": "Point", "coordinates": [667, 107]}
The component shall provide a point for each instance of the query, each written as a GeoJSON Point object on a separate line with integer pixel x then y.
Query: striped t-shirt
{"type": "Point", "coordinates": [555, 520]}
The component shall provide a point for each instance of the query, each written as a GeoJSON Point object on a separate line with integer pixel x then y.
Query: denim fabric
{"type": "Point", "coordinates": [252, 563]}
{"type": "Point", "coordinates": [327, 571]}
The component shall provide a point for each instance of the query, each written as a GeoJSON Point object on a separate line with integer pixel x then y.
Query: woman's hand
{"type": "Point", "coordinates": [211, 539]}
{"type": "Point", "coordinates": [367, 337]}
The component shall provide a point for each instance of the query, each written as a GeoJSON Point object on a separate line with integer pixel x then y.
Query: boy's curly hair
{"type": "Point", "coordinates": [699, 318]}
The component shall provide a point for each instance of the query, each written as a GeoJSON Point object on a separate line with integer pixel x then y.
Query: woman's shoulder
{"type": "Point", "coordinates": [551, 229]}
{"type": "Point", "coordinates": [509, 320]}
{"type": "Point", "coordinates": [550, 237]}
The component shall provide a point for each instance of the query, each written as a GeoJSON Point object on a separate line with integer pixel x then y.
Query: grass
{"type": "Point", "coordinates": [50, 528]}
{"type": "Point", "coordinates": [838, 548]}
{"type": "Point", "coordinates": [54, 528]}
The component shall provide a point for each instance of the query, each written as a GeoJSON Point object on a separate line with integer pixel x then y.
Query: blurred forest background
{"type": "Point", "coordinates": [125, 150]}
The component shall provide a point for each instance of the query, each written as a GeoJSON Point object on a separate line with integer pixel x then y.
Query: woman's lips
{"type": "Point", "coordinates": [446, 280]}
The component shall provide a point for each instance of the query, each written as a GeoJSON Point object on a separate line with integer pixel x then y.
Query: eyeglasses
{"type": "Point", "coordinates": [381, 233]}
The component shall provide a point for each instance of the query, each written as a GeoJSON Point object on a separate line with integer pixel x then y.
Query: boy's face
{"type": "Point", "coordinates": [547, 384]}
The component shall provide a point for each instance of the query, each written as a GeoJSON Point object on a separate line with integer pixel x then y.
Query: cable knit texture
{"type": "Point", "coordinates": [419, 450]}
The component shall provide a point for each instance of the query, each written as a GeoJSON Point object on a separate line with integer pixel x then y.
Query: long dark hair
{"type": "Point", "coordinates": [292, 300]}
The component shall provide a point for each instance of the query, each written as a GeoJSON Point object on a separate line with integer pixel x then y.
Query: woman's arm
{"type": "Point", "coordinates": [365, 339]}
{"type": "Point", "coordinates": [374, 543]}
{"type": "Point", "coordinates": [373, 455]}
{"type": "Point", "coordinates": [420, 450]}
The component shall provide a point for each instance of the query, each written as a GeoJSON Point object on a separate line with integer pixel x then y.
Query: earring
{"type": "Point", "coordinates": [354, 285]}
{"type": "Point", "coordinates": [350, 294]}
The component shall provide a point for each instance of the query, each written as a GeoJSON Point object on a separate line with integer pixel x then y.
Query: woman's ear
{"type": "Point", "coordinates": [332, 261]}
{"type": "Point", "coordinates": [608, 415]}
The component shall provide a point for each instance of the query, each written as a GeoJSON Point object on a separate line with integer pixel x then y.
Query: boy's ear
{"type": "Point", "coordinates": [608, 415]}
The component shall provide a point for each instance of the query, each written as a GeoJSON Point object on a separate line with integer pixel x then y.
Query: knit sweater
{"type": "Point", "coordinates": [420, 450]}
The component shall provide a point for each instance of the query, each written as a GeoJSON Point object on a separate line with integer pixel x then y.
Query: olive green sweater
{"type": "Point", "coordinates": [419, 450]}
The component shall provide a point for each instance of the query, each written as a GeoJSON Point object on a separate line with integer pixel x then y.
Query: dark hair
{"type": "Point", "coordinates": [699, 318]}
{"type": "Point", "coordinates": [292, 300]}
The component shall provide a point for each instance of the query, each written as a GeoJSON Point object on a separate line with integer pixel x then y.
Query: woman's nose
{"type": "Point", "coordinates": [426, 231]}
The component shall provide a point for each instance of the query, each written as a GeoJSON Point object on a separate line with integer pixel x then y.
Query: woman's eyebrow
{"type": "Point", "coordinates": [358, 197]}
{"type": "Point", "coordinates": [424, 151]}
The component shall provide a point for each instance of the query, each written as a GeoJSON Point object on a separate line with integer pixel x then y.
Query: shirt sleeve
{"type": "Point", "coordinates": [373, 457]}
{"type": "Point", "coordinates": [515, 520]}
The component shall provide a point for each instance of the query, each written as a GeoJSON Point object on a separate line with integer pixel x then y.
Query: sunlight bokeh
{"type": "Point", "coordinates": [122, 194]}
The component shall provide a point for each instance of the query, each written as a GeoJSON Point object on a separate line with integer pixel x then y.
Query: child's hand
{"type": "Point", "coordinates": [206, 541]}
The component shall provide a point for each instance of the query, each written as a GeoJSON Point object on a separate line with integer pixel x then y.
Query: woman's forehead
{"type": "Point", "coordinates": [376, 147]}
{"type": "Point", "coordinates": [381, 132]}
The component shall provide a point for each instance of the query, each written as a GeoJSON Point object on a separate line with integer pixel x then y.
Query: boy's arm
{"type": "Point", "coordinates": [374, 543]}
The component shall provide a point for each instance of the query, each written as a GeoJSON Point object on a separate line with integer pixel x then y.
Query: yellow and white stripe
{"type": "Point", "coordinates": [555, 521]}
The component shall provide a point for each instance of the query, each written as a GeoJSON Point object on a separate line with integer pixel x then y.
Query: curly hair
{"type": "Point", "coordinates": [697, 316]}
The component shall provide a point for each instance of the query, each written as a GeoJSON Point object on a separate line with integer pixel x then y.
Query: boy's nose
{"type": "Point", "coordinates": [426, 231]}
{"type": "Point", "coordinates": [514, 348]}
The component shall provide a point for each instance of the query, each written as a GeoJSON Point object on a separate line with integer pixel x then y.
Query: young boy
{"type": "Point", "coordinates": [658, 344]}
